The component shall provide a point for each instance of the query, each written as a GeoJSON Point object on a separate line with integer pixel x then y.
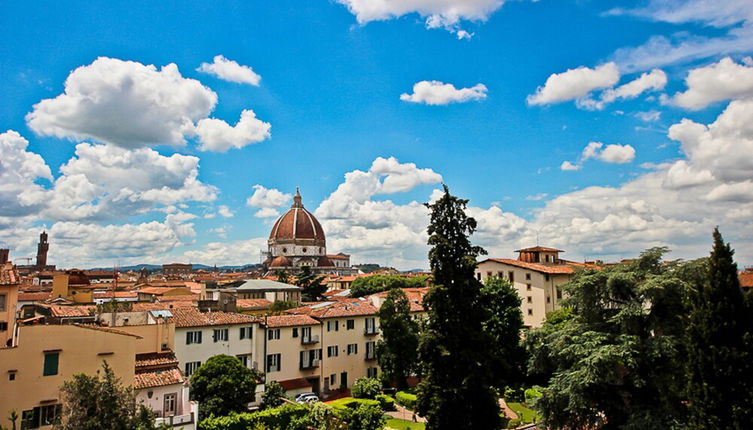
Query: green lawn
{"type": "Point", "coordinates": [340, 403]}
{"type": "Point", "coordinates": [397, 424]}
{"type": "Point", "coordinates": [525, 414]}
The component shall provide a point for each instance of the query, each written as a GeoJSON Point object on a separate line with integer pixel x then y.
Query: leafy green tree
{"type": "Point", "coordinates": [503, 323]}
{"type": "Point", "coordinates": [311, 284]}
{"type": "Point", "coordinates": [720, 335]}
{"type": "Point", "coordinates": [366, 388]}
{"type": "Point", "coordinates": [541, 366]}
{"type": "Point", "coordinates": [454, 349]}
{"type": "Point", "coordinates": [101, 402]}
{"type": "Point", "coordinates": [273, 395]}
{"type": "Point", "coordinates": [364, 417]}
{"type": "Point", "coordinates": [397, 350]}
{"type": "Point", "coordinates": [281, 276]}
{"type": "Point", "coordinates": [365, 285]}
{"type": "Point", "coordinates": [223, 385]}
{"type": "Point", "coordinates": [618, 361]}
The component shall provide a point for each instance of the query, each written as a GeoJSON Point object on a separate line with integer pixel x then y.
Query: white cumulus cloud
{"type": "Point", "coordinates": [229, 70]}
{"type": "Point", "coordinates": [575, 84]}
{"type": "Point", "coordinates": [719, 81]}
{"type": "Point", "coordinates": [19, 171]}
{"type": "Point", "coordinates": [267, 200]}
{"type": "Point", "coordinates": [217, 135]}
{"type": "Point", "coordinates": [438, 93]}
{"type": "Point", "coordinates": [613, 153]}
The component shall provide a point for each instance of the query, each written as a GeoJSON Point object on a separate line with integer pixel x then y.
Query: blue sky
{"type": "Point", "coordinates": [332, 75]}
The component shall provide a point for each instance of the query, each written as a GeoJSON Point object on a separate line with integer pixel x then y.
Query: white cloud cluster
{"type": "Point", "coordinates": [578, 84]}
{"type": "Point", "coordinates": [575, 84]}
{"type": "Point", "coordinates": [267, 200]}
{"type": "Point", "coordinates": [219, 136]}
{"type": "Point", "coordinates": [133, 105]}
{"type": "Point", "coordinates": [19, 171]}
{"type": "Point", "coordinates": [719, 81]}
{"type": "Point", "coordinates": [231, 71]}
{"type": "Point", "coordinates": [613, 153]}
{"type": "Point", "coordinates": [734, 16]}
{"type": "Point", "coordinates": [438, 93]}
{"type": "Point", "coordinates": [438, 13]}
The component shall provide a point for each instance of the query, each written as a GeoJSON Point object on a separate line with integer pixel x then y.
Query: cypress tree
{"type": "Point", "coordinates": [454, 349]}
{"type": "Point", "coordinates": [720, 390]}
{"type": "Point", "coordinates": [397, 351]}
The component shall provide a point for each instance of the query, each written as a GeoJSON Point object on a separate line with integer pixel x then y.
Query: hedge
{"type": "Point", "coordinates": [280, 417]}
{"type": "Point", "coordinates": [531, 395]}
{"type": "Point", "coordinates": [406, 399]}
{"type": "Point", "coordinates": [386, 402]}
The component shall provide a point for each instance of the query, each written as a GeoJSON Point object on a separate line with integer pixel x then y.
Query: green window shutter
{"type": "Point", "coordinates": [51, 363]}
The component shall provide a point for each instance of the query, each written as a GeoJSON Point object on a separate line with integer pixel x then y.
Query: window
{"type": "Point", "coordinates": [3, 326]}
{"type": "Point", "coordinates": [243, 359]}
{"type": "Point", "coordinates": [530, 311]}
{"type": "Point", "coordinates": [528, 276]}
{"type": "Point", "coordinates": [295, 331]}
{"type": "Point", "coordinates": [333, 325]}
{"type": "Point", "coordinates": [220, 335]}
{"type": "Point", "coordinates": [170, 402]}
{"type": "Point", "coordinates": [193, 337]}
{"type": "Point", "coordinates": [11, 376]}
{"type": "Point", "coordinates": [273, 363]}
{"type": "Point", "coordinates": [478, 275]}
{"type": "Point", "coordinates": [247, 333]}
{"type": "Point", "coordinates": [370, 350]}
{"type": "Point", "coordinates": [2, 302]}
{"type": "Point", "coordinates": [559, 294]}
{"type": "Point", "coordinates": [350, 324]}
{"type": "Point", "coordinates": [191, 367]}
{"type": "Point", "coordinates": [352, 348]}
{"type": "Point", "coordinates": [332, 379]}
{"type": "Point", "coordinates": [370, 325]}
{"type": "Point", "coordinates": [548, 299]}
{"type": "Point", "coordinates": [309, 359]}
{"type": "Point", "coordinates": [332, 351]}
{"type": "Point", "coordinates": [50, 363]}
{"type": "Point", "coordinates": [528, 287]}
{"type": "Point", "coordinates": [530, 299]}
{"type": "Point", "coordinates": [273, 334]}
{"type": "Point", "coordinates": [546, 276]}
{"type": "Point", "coordinates": [306, 334]}
{"type": "Point", "coordinates": [511, 276]}
{"type": "Point", "coordinates": [488, 274]}
{"type": "Point", "coordinates": [40, 416]}
{"type": "Point", "coordinates": [371, 372]}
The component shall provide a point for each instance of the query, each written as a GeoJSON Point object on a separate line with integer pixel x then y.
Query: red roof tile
{"type": "Point", "coordinates": [539, 248]}
{"type": "Point", "coordinates": [106, 329]}
{"type": "Point", "coordinates": [158, 378]}
{"type": "Point", "coordinates": [746, 278]}
{"type": "Point", "coordinates": [561, 269]}
{"type": "Point", "coordinates": [34, 297]}
{"type": "Point", "coordinates": [275, 321]}
{"type": "Point", "coordinates": [295, 384]}
{"type": "Point", "coordinates": [154, 359]}
{"type": "Point", "coordinates": [336, 309]}
{"type": "Point", "coordinates": [253, 303]}
{"type": "Point", "coordinates": [192, 317]}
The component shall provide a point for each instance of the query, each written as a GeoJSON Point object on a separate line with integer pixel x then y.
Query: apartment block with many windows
{"type": "Point", "coordinates": [293, 351]}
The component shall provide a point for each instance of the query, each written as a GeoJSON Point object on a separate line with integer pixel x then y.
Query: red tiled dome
{"type": "Point", "coordinates": [296, 224]}
{"type": "Point", "coordinates": [280, 262]}
{"type": "Point", "coordinates": [325, 262]}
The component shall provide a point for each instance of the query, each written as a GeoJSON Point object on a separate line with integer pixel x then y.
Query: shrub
{"type": "Point", "coordinates": [365, 417]}
{"type": "Point", "coordinates": [386, 402]}
{"type": "Point", "coordinates": [532, 394]}
{"type": "Point", "coordinates": [513, 423]}
{"type": "Point", "coordinates": [406, 399]}
{"type": "Point", "coordinates": [514, 394]}
{"type": "Point", "coordinates": [366, 388]}
{"type": "Point", "coordinates": [282, 417]}
{"type": "Point", "coordinates": [366, 285]}
{"type": "Point", "coordinates": [355, 403]}
{"type": "Point", "coordinates": [272, 396]}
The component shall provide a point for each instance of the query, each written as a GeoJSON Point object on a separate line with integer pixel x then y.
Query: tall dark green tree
{"type": "Point", "coordinates": [456, 391]}
{"type": "Point", "coordinates": [397, 351]}
{"type": "Point", "coordinates": [720, 331]}
{"type": "Point", "coordinates": [503, 323]}
{"type": "Point", "coordinates": [223, 385]}
{"type": "Point", "coordinates": [101, 402]}
{"type": "Point", "coordinates": [617, 362]}
{"type": "Point", "coordinates": [311, 284]}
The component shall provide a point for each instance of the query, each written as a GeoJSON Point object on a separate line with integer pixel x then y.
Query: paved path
{"type": "Point", "coordinates": [404, 414]}
{"type": "Point", "coordinates": [509, 413]}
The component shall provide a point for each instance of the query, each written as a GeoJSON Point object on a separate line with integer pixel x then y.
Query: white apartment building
{"type": "Point", "coordinates": [293, 352]}
{"type": "Point", "coordinates": [537, 275]}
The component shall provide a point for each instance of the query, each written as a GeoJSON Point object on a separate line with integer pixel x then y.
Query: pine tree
{"type": "Point", "coordinates": [454, 349]}
{"type": "Point", "coordinates": [397, 350]}
{"type": "Point", "coordinates": [720, 375]}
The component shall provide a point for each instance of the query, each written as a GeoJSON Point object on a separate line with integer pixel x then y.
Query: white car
{"type": "Point", "coordinates": [306, 398]}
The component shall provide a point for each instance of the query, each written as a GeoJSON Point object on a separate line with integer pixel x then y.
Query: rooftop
{"type": "Point", "coordinates": [265, 284]}
{"type": "Point", "coordinates": [158, 378]}
{"type": "Point", "coordinates": [560, 269]}
{"type": "Point", "coordinates": [192, 317]}
{"type": "Point", "coordinates": [337, 309]}
{"type": "Point", "coordinates": [276, 321]}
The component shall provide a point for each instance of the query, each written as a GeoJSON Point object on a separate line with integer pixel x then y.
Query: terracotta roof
{"type": "Point", "coordinates": [336, 309]}
{"type": "Point", "coordinates": [153, 359]}
{"type": "Point", "coordinates": [280, 261]}
{"type": "Point", "coordinates": [106, 329]}
{"type": "Point", "coordinates": [295, 384]}
{"type": "Point", "coordinates": [338, 256]}
{"type": "Point", "coordinates": [117, 294]}
{"type": "Point", "coordinates": [561, 269]}
{"type": "Point", "coordinates": [9, 274]}
{"type": "Point", "coordinates": [297, 223]}
{"type": "Point", "coordinates": [69, 311]}
{"type": "Point", "coordinates": [325, 262]}
{"type": "Point", "coordinates": [158, 291]}
{"type": "Point", "coordinates": [34, 297]}
{"type": "Point", "coordinates": [746, 278]}
{"type": "Point", "coordinates": [275, 321]}
{"type": "Point", "coordinates": [146, 306]}
{"type": "Point", "coordinates": [158, 378]}
{"type": "Point", "coordinates": [539, 248]}
{"type": "Point", "coordinates": [253, 303]}
{"type": "Point", "coordinates": [192, 317]}
{"type": "Point", "coordinates": [415, 297]}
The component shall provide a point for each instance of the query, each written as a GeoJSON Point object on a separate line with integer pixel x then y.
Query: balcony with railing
{"type": "Point", "coordinates": [310, 340]}
{"type": "Point", "coordinates": [370, 331]}
{"type": "Point", "coordinates": [370, 355]}
{"type": "Point", "coordinates": [313, 364]}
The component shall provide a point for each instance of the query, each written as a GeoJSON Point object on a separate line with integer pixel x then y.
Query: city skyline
{"type": "Point", "coordinates": [153, 134]}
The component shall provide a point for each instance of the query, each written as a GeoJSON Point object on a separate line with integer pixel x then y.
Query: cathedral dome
{"type": "Point", "coordinates": [298, 226]}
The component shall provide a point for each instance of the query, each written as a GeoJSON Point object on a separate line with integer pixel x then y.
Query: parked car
{"type": "Point", "coordinates": [306, 398]}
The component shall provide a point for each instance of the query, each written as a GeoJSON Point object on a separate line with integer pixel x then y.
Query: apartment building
{"type": "Point", "coordinates": [201, 335]}
{"type": "Point", "coordinates": [9, 281]}
{"type": "Point", "coordinates": [537, 275]}
{"type": "Point", "coordinates": [293, 352]}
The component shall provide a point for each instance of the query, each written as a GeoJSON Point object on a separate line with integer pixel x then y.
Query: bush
{"type": "Point", "coordinates": [514, 394]}
{"type": "Point", "coordinates": [366, 285]}
{"type": "Point", "coordinates": [532, 394]}
{"type": "Point", "coordinates": [272, 396]}
{"type": "Point", "coordinates": [365, 417]}
{"type": "Point", "coordinates": [513, 423]}
{"type": "Point", "coordinates": [355, 403]}
{"type": "Point", "coordinates": [366, 388]}
{"type": "Point", "coordinates": [406, 399]}
{"type": "Point", "coordinates": [386, 402]}
{"type": "Point", "coordinates": [281, 417]}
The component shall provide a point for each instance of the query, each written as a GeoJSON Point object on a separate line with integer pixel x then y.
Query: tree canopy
{"type": "Point", "coordinates": [223, 385]}
{"type": "Point", "coordinates": [101, 402]}
{"type": "Point", "coordinates": [311, 284]}
{"type": "Point", "coordinates": [397, 350]}
{"type": "Point", "coordinates": [454, 349]}
{"type": "Point", "coordinates": [365, 285]}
